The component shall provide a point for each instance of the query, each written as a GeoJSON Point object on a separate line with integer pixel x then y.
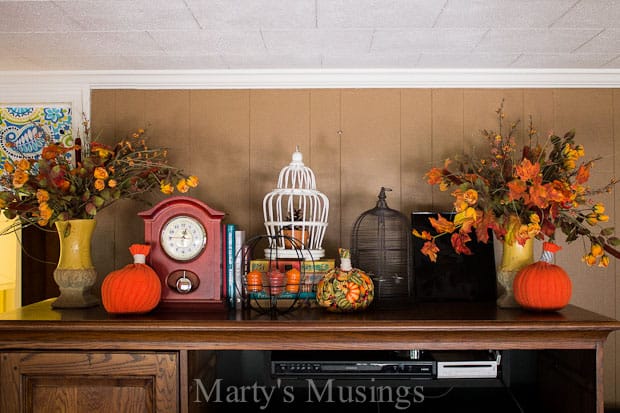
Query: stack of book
{"type": "Point", "coordinates": [311, 273]}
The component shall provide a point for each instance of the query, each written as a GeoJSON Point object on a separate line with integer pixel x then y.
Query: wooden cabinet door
{"type": "Point", "coordinates": [42, 382]}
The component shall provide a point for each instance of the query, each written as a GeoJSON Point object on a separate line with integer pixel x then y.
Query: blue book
{"type": "Point", "coordinates": [230, 264]}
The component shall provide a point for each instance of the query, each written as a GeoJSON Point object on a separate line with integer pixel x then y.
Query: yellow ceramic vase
{"type": "Point", "coordinates": [75, 273]}
{"type": "Point", "coordinates": [514, 257]}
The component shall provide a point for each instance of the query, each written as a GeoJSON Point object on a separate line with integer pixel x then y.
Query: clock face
{"type": "Point", "coordinates": [183, 238]}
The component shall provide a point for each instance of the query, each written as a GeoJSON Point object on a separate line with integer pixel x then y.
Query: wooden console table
{"type": "Point", "coordinates": [87, 360]}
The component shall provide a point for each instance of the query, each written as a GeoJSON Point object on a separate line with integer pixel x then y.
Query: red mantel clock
{"type": "Point", "coordinates": [185, 238]}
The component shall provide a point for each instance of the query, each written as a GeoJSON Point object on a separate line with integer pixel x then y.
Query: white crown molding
{"type": "Point", "coordinates": [315, 78]}
{"type": "Point", "coordinates": [74, 87]}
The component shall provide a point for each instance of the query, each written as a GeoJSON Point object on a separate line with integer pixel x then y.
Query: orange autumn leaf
{"type": "Point", "coordinates": [538, 196]}
{"type": "Point", "coordinates": [460, 205]}
{"type": "Point", "coordinates": [434, 176]}
{"type": "Point", "coordinates": [430, 250]}
{"type": "Point", "coordinates": [527, 170]}
{"type": "Point", "coordinates": [458, 241]}
{"type": "Point", "coordinates": [424, 235]}
{"type": "Point", "coordinates": [558, 191]}
{"type": "Point", "coordinates": [466, 219]}
{"type": "Point", "coordinates": [442, 225]}
{"type": "Point", "coordinates": [487, 220]}
{"type": "Point", "coordinates": [516, 189]}
{"type": "Point", "coordinates": [583, 173]}
{"type": "Point", "coordinates": [49, 152]}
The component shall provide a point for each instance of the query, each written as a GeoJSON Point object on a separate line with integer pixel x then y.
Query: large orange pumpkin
{"type": "Point", "coordinates": [543, 286]}
{"type": "Point", "coordinates": [135, 288]}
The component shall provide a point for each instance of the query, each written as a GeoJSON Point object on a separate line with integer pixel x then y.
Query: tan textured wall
{"type": "Point", "coordinates": [355, 140]}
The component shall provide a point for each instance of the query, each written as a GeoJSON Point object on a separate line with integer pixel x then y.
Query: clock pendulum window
{"type": "Point", "coordinates": [185, 238]}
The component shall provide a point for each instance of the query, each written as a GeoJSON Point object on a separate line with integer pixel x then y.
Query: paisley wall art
{"type": "Point", "coordinates": [18, 133]}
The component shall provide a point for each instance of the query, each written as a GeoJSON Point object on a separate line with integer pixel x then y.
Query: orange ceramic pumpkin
{"type": "Point", "coordinates": [543, 286]}
{"type": "Point", "coordinates": [135, 288]}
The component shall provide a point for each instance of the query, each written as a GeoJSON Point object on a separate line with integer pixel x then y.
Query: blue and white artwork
{"type": "Point", "coordinates": [18, 129]}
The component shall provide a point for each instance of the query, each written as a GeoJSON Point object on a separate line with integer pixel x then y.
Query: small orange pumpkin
{"type": "Point", "coordinates": [543, 286]}
{"type": "Point", "coordinates": [135, 288]}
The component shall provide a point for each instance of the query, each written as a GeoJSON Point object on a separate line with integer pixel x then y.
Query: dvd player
{"type": "Point", "coordinates": [349, 364]}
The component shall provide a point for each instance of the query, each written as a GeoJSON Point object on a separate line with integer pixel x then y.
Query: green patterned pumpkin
{"type": "Point", "coordinates": [345, 288]}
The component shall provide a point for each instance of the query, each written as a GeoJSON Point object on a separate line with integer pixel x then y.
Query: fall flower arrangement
{"type": "Point", "coordinates": [522, 195]}
{"type": "Point", "coordinates": [77, 182]}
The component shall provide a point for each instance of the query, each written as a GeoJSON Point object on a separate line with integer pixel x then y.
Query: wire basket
{"type": "Point", "coordinates": [280, 285]}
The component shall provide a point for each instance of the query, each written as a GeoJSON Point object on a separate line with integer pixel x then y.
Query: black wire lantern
{"type": "Point", "coordinates": [274, 292]}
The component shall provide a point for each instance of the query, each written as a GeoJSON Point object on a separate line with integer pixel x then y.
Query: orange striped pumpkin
{"type": "Point", "coordinates": [135, 288]}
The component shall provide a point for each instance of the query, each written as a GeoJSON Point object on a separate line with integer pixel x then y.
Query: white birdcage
{"type": "Point", "coordinates": [295, 209]}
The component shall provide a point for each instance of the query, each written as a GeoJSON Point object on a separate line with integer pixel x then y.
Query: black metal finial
{"type": "Point", "coordinates": [381, 203]}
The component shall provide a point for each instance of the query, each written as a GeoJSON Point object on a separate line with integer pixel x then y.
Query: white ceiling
{"type": "Point", "coordinates": [309, 34]}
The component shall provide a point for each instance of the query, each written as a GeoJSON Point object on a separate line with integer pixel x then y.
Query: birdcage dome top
{"type": "Point", "coordinates": [296, 175]}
